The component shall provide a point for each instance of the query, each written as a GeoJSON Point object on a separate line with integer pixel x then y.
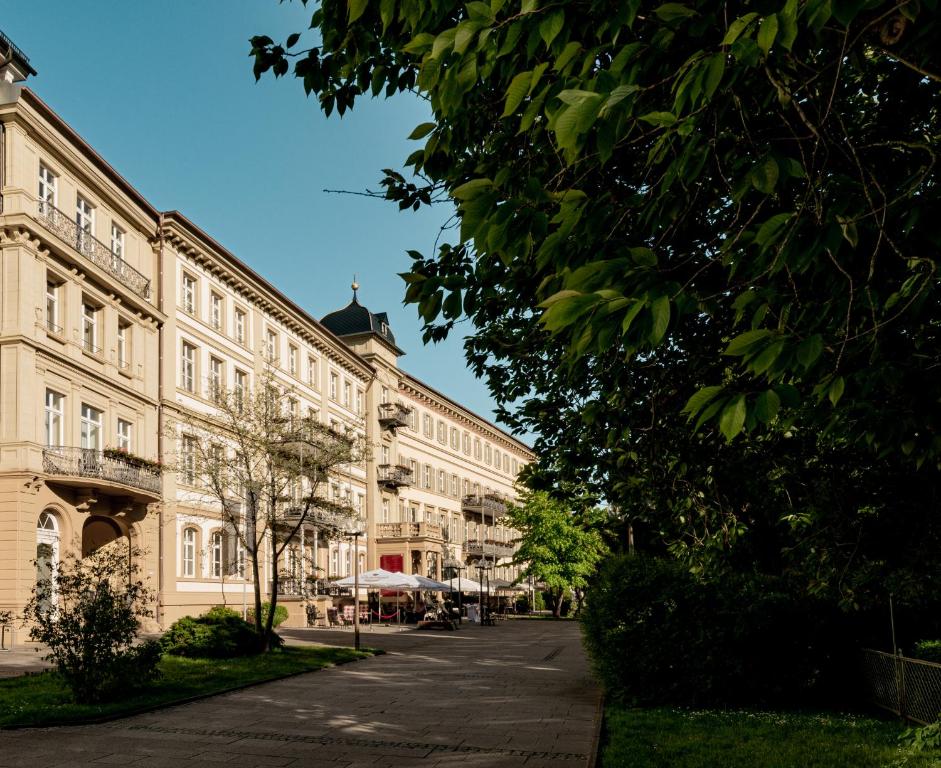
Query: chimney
{"type": "Point", "coordinates": [14, 64]}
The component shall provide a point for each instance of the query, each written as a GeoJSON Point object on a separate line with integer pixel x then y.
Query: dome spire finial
{"type": "Point", "coordinates": [354, 286]}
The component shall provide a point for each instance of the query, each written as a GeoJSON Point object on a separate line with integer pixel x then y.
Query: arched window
{"type": "Point", "coordinates": [347, 563]}
{"type": "Point", "coordinates": [189, 553]}
{"type": "Point", "coordinates": [362, 562]}
{"type": "Point", "coordinates": [47, 556]}
{"type": "Point", "coordinates": [335, 563]}
{"type": "Point", "coordinates": [215, 554]}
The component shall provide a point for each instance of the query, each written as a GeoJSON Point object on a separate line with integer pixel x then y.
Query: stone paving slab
{"type": "Point", "coordinates": [517, 694]}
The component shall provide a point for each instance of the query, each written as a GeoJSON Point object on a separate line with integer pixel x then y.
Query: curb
{"type": "Point", "coordinates": [596, 737]}
{"type": "Point", "coordinates": [97, 720]}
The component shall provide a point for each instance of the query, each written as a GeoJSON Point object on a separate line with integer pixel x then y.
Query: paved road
{"type": "Point", "coordinates": [518, 694]}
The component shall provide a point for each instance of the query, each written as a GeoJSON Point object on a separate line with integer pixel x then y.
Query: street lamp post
{"type": "Point", "coordinates": [355, 532]}
{"type": "Point", "coordinates": [454, 564]}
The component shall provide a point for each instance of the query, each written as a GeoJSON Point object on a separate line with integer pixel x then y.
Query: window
{"type": "Point", "coordinates": [454, 485]}
{"type": "Point", "coordinates": [188, 295]}
{"type": "Point", "coordinates": [477, 446]}
{"type": "Point", "coordinates": [466, 487]}
{"type": "Point", "coordinates": [334, 385]}
{"type": "Point", "coordinates": [189, 553]}
{"type": "Point", "coordinates": [347, 394]}
{"type": "Point", "coordinates": [240, 326]}
{"type": "Point", "coordinates": [516, 467]}
{"type": "Point", "coordinates": [360, 400]}
{"type": "Point", "coordinates": [335, 563]}
{"type": "Point", "coordinates": [90, 328]}
{"type": "Point", "coordinates": [427, 425]}
{"type": "Point", "coordinates": [85, 222]}
{"type": "Point", "coordinates": [292, 360]}
{"type": "Point", "coordinates": [188, 367]}
{"type": "Point", "coordinates": [215, 310]}
{"type": "Point", "coordinates": [347, 562]}
{"type": "Point", "coordinates": [426, 476]}
{"type": "Point", "coordinates": [442, 432]}
{"type": "Point", "coordinates": [91, 428]}
{"type": "Point", "coordinates": [215, 555]}
{"type": "Point", "coordinates": [124, 435]}
{"type": "Point", "coordinates": [385, 510]}
{"type": "Point", "coordinates": [384, 396]}
{"type": "Point", "coordinates": [188, 460]}
{"type": "Point", "coordinates": [53, 292]}
{"type": "Point", "coordinates": [312, 371]}
{"type": "Point", "coordinates": [455, 439]}
{"type": "Point", "coordinates": [271, 346]}
{"type": "Point", "coordinates": [467, 443]}
{"type": "Point", "coordinates": [506, 463]}
{"type": "Point", "coordinates": [241, 388]}
{"type": "Point", "coordinates": [216, 379]}
{"type": "Point", "coordinates": [47, 190]}
{"type": "Point", "coordinates": [117, 246]}
{"type": "Point", "coordinates": [496, 458]}
{"type": "Point", "coordinates": [487, 451]}
{"type": "Point", "coordinates": [442, 481]}
{"type": "Point", "coordinates": [124, 352]}
{"type": "Point", "coordinates": [385, 454]}
{"type": "Point", "coordinates": [54, 418]}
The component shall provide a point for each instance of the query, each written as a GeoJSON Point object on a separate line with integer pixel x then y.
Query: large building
{"type": "Point", "coordinates": [117, 318]}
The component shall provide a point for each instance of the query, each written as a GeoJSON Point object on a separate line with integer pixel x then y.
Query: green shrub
{"type": "Point", "coordinates": [929, 650]}
{"type": "Point", "coordinates": [659, 635]}
{"type": "Point", "coordinates": [87, 613]}
{"type": "Point", "coordinates": [219, 634]}
{"type": "Point", "coordinates": [280, 614]}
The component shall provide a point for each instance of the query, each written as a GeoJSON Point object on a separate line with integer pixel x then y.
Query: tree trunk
{"type": "Point", "coordinates": [557, 609]}
{"type": "Point", "coordinates": [275, 581]}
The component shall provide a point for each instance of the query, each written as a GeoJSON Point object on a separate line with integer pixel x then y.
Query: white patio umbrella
{"type": "Point", "coordinates": [466, 585]}
{"type": "Point", "coordinates": [377, 578]}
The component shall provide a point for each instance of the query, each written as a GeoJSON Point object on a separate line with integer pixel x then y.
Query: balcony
{"type": "Point", "coordinates": [315, 444]}
{"type": "Point", "coordinates": [92, 249]}
{"type": "Point", "coordinates": [393, 415]}
{"type": "Point", "coordinates": [99, 469]}
{"type": "Point", "coordinates": [490, 548]}
{"type": "Point", "coordinates": [409, 531]}
{"type": "Point", "coordinates": [487, 504]}
{"type": "Point", "coordinates": [394, 476]}
{"type": "Point", "coordinates": [322, 513]}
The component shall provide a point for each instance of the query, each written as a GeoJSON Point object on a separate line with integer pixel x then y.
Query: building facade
{"type": "Point", "coordinates": [117, 318]}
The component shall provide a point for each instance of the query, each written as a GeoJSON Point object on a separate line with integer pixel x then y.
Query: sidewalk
{"type": "Point", "coordinates": [517, 694]}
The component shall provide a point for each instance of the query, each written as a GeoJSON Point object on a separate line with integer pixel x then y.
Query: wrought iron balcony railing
{"type": "Point", "coordinates": [101, 465]}
{"type": "Point", "coordinates": [392, 415]}
{"type": "Point", "coordinates": [394, 475]}
{"type": "Point", "coordinates": [93, 249]}
{"type": "Point", "coordinates": [489, 548]}
{"type": "Point", "coordinates": [489, 504]}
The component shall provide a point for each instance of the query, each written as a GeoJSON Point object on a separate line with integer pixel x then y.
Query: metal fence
{"type": "Point", "coordinates": [910, 688]}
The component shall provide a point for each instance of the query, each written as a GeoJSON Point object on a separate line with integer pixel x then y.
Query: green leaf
{"type": "Point", "coordinates": [528, 6]}
{"type": "Point", "coordinates": [660, 312]}
{"type": "Point", "coordinates": [700, 399]}
{"type": "Point", "coordinates": [836, 390]}
{"type": "Point", "coordinates": [471, 189]}
{"type": "Point", "coordinates": [767, 32]}
{"type": "Point", "coordinates": [770, 230]}
{"type": "Point", "coordinates": [630, 315]}
{"type": "Point", "coordinates": [422, 130]}
{"type": "Point", "coordinates": [420, 43]}
{"type": "Point", "coordinates": [732, 418]}
{"type": "Point", "coordinates": [788, 25]}
{"type": "Point", "coordinates": [741, 343]}
{"type": "Point", "coordinates": [737, 27]}
{"type": "Point", "coordinates": [764, 176]}
{"type": "Point", "coordinates": [618, 95]}
{"type": "Point", "coordinates": [357, 8]}
{"type": "Point", "coordinates": [715, 69]}
{"type": "Point", "coordinates": [850, 233]}
{"type": "Point", "coordinates": [519, 87]}
{"type": "Point", "coordinates": [809, 350]}
{"type": "Point", "coordinates": [568, 53]}
{"type": "Point", "coordinates": [566, 311]}
{"type": "Point", "coordinates": [550, 26]}
{"type": "Point", "coordinates": [766, 357]}
{"type": "Point", "coordinates": [767, 405]}
{"type": "Point", "coordinates": [673, 11]}
{"type": "Point", "coordinates": [662, 119]}
{"type": "Point", "coordinates": [556, 297]}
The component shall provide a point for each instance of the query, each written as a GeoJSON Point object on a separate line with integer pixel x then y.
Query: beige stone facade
{"type": "Point", "coordinates": [115, 318]}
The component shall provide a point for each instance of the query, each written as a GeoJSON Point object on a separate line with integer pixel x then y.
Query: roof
{"type": "Point", "coordinates": [355, 319]}
{"type": "Point", "coordinates": [11, 52]}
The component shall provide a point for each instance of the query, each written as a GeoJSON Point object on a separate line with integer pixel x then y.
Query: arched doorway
{"type": "Point", "coordinates": [47, 557]}
{"type": "Point", "coordinates": [97, 532]}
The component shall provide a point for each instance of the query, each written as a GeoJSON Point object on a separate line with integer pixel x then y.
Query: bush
{"type": "Point", "coordinates": [280, 614]}
{"type": "Point", "coordinates": [929, 650]}
{"type": "Point", "coordinates": [87, 612]}
{"type": "Point", "coordinates": [218, 634]}
{"type": "Point", "coordinates": [659, 635]}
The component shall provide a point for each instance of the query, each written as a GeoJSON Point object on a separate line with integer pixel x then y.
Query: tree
{"type": "Point", "coordinates": [87, 613]}
{"type": "Point", "coordinates": [265, 469]}
{"type": "Point", "coordinates": [558, 547]}
{"type": "Point", "coordinates": [627, 174]}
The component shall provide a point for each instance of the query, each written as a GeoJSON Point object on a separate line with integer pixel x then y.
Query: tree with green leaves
{"type": "Point", "coordinates": [686, 230]}
{"type": "Point", "coordinates": [558, 546]}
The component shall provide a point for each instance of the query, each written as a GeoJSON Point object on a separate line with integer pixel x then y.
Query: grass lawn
{"type": "Point", "coordinates": [676, 738]}
{"type": "Point", "coordinates": [43, 699]}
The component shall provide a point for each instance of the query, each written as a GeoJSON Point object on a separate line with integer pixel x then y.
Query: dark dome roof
{"type": "Point", "coordinates": [354, 318]}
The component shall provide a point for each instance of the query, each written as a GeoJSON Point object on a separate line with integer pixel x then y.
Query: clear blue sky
{"type": "Point", "coordinates": [165, 92]}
